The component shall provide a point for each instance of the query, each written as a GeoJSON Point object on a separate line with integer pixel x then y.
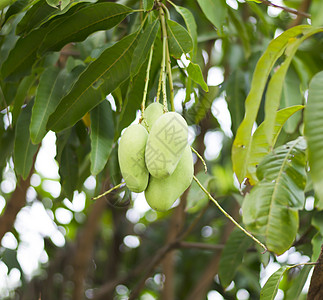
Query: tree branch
{"type": "Point", "coordinates": [315, 291]}
{"type": "Point", "coordinates": [287, 9]}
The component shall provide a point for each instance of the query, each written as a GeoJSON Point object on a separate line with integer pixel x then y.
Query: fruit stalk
{"type": "Point", "coordinates": [143, 104]}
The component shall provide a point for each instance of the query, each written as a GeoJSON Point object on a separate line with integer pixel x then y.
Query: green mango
{"type": "Point", "coordinates": [131, 156]}
{"type": "Point", "coordinates": [162, 193]}
{"type": "Point", "coordinates": [151, 114]}
{"type": "Point", "coordinates": [165, 145]}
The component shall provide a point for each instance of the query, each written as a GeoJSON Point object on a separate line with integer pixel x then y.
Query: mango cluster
{"type": "Point", "coordinates": [154, 157]}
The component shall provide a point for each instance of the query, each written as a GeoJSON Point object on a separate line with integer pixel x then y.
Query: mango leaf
{"type": "Point", "coordinates": [242, 142]}
{"type": "Point", "coordinates": [78, 26]}
{"type": "Point", "coordinates": [190, 25]}
{"type": "Point", "coordinates": [23, 55]}
{"type": "Point", "coordinates": [20, 96]}
{"type": "Point", "coordinates": [292, 96]}
{"type": "Point", "coordinates": [102, 134]}
{"type": "Point", "coordinates": [99, 79]}
{"type": "Point", "coordinates": [270, 210]}
{"type": "Point", "coordinates": [148, 4]}
{"type": "Point", "coordinates": [214, 10]}
{"type": "Point", "coordinates": [316, 10]}
{"type": "Point", "coordinates": [144, 45]}
{"type": "Point", "coordinates": [179, 39]}
{"type": "Point", "coordinates": [15, 8]}
{"type": "Point", "coordinates": [232, 256]}
{"type": "Point", "coordinates": [259, 146]}
{"type": "Point", "coordinates": [270, 289]}
{"type": "Point", "coordinates": [275, 85]}
{"type": "Point", "coordinates": [24, 150]}
{"type": "Point", "coordinates": [52, 86]}
{"type": "Point", "coordinates": [313, 130]}
{"type": "Point", "coordinates": [297, 284]}
{"type": "Point", "coordinates": [194, 71]}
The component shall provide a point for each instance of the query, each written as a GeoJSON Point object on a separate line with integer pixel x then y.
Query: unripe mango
{"type": "Point", "coordinates": [165, 145]}
{"type": "Point", "coordinates": [131, 156]}
{"type": "Point", "coordinates": [151, 114]}
{"type": "Point", "coordinates": [162, 193]}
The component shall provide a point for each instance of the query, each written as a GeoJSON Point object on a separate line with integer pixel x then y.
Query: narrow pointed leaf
{"type": "Point", "coordinates": [144, 44]}
{"type": "Point", "coordinates": [260, 147]}
{"type": "Point", "coordinates": [99, 79]}
{"type": "Point", "coordinates": [232, 256]}
{"type": "Point", "coordinates": [270, 211]}
{"type": "Point", "coordinates": [241, 144]}
{"type": "Point", "coordinates": [148, 4]}
{"type": "Point", "coordinates": [24, 150]}
{"type": "Point", "coordinates": [180, 40]}
{"type": "Point", "coordinates": [275, 86]}
{"type": "Point", "coordinates": [194, 71]}
{"type": "Point", "coordinates": [78, 26]}
{"type": "Point", "coordinates": [270, 289]}
{"type": "Point", "coordinates": [214, 10]}
{"type": "Point", "coordinates": [313, 123]}
{"type": "Point", "coordinates": [102, 134]}
{"type": "Point", "coordinates": [22, 56]}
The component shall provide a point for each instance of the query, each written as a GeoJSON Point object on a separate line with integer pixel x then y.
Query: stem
{"type": "Point", "coordinates": [228, 216]}
{"type": "Point", "coordinates": [163, 65]}
{"type": "Point", "coordinates": [201, 158]}
{"type": "Point", "coordinates": [290, 10]}
{"type": "Point", "coordinates": [143, 104]}
{"type": "Point", "coordinates": [109, 191]}
{"type": "Point", "coordinates": [159, 86]}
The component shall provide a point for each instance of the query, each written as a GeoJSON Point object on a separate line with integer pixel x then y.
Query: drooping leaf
{"type": "Point", "coordinates": [194, 71]}
{"type": "Point", "coordinates": [232, 256]}
{"type": "Point", "coordinates": [24, 149]}
{"type": "Point", "coordinates": [242, 142]}
{"type": "Point", "coordinates": [275, 85]}
{"type": "Point", "coordinates": [313, 123]}
{"type": "Point", "coordinates": [144, 45]}
{"type": "Point", "coordinates": [270, 210]}
{"type": "Point", "coordinates": [20, 97]}
{"type": "Point", "coordinates": [148, 4]}
{"type": "Point", "coordinates": [99, 79]}
{"type": "Point", "coordinates": [78, 26]}
{"type": "Point", "coordinates": [190, 25]}
{"type": "Point", "coordinates": [53, 84]}
{"type": "Point", "coordinates": [102, 134]}
{"type": "Point", "coordinates": [179, 39]}
{"type": "Point", "coordinates": [259, 146]}
{"type": "Point", "coordinates": [23, 55]}
{"type": "Point", "coordinates": [215, 11]}
{"type": "Point", "coordinates": [270, 289]}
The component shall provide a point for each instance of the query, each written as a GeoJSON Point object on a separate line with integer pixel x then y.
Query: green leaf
{"type": "Point", "coordinates": [316, 10]}
{"type": "Point", "coordinates": [22, 56]}
{"type": "Point", "coordinates": [297, 284]}
{"type": "Point", "coordinates": [68, 170]}
{"type": "Point", "coordinates": [313, 128]}
{"type": "Point", "coordinates": [99, 79]}
{"type": "Point", "coordinates": [275, 85]}
{"type": "Point", "coordinates": [144, 45]}
{"type": "Point", "coordinates": [53, 84]}
{"type": "Point", "coordinates": [16, 7]}
{"type": "Point", "coordinates": [24, 150]}
{"type": "Point", "coordinates": [102, 134]}
{"type": "Point", "coordinates": [270, 210]}
{"type": "Point", "coordinates": [214, 10]}
{"type": "Point", "coordinates": [78, 26]}
{"type": "Point", "coordinates": [194, 71]}
{"type": "Point", "coordinates": [21, 95]}
{"type": "Point", "coordinates": [148, 4]}
{"type": "Point", "coordinates": [53, 3]}
{"type": "Point", "coordinates": [179, 39]}
{"type": "Point", "coordinates": [242, 142]}
{"type": "Point", "coordinates": [232, 256]}
{"type": "Point", "coordinates": [259, 146]}
{"type": "Point", "coordinates": [270, 289]}
{"type": "Point", "coordinates": [190, 25]}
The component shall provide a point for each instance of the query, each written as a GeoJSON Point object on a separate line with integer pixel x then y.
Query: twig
{"type": "Point", "coordinates": [290, 10]}
{"type": "Point", "coordinates": [203, 246]}
{"type": "Point", "coordinates": [228, 216]}
{"type": "Point", "coordinates": [109, 191]}
{"type": "Point", "coordinates": [201, 158]}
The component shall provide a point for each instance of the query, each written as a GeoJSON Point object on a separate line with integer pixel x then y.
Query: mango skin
{"type": "Point", "coordinates": [151, 114]}
{"type": "Point", "coordinates": [165, 145]}
{"type": "Point", "coordinates": [162, 193]}
{"type": "Point", "coordinates": [131, 156]}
